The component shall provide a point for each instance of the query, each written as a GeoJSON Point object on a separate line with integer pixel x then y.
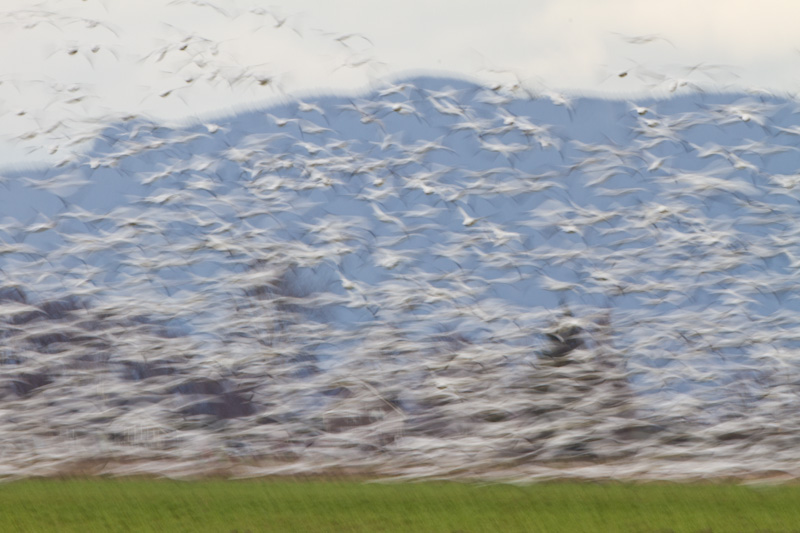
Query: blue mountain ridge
{"type": "Point", "coordinates": [369, 280]}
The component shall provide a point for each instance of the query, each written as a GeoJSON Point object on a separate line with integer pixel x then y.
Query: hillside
{"type": "Point", "coordinates": [433, 278]}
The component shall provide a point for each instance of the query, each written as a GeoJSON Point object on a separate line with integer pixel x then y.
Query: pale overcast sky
{"type": "Point", "coordinates": [72, 60]}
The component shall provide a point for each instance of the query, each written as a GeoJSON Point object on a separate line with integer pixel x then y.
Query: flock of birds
{"type": "Point", "coordinates": [57, 110]}
{"type": "Point", "coordinates": [435, 278]}
{"type": "Point", "coordinates": [431, 278]}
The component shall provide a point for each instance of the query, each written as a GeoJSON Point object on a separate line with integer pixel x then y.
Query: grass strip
{"type": "Point", "coordinates": [125, 504]}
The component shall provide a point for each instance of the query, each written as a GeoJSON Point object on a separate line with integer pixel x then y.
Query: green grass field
{"type": "Point", "coordinates": [331, 505]}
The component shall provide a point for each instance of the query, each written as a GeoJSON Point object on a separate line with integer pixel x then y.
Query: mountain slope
{"type": "Point", "coordinates": [434, 275]}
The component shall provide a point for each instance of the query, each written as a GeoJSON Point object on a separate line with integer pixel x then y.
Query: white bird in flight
{"type": "Point", "coordinates": [467, 219]}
